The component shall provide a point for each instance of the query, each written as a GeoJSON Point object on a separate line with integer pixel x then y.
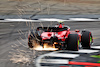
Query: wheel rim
{"type": "Point", "coordinates": [78, 42]}
{"type": "Point", "coordinates": [90, 40]}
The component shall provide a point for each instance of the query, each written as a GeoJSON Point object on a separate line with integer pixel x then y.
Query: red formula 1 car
{"type": "Point", "coordinates": [61, 37]}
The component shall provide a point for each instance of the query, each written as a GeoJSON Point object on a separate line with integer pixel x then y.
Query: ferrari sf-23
{"type": "Point", "coordinates": [61, 37]}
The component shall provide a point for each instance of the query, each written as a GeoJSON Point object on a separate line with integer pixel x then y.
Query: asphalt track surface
{"type": "Point", "coordinates": [14, 51]}
{"type": "Point", "coordinates": [32, 8]}
{"type": "Point", "coordinates": [13, 41]}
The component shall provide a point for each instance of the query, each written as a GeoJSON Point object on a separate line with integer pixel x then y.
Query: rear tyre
{"type": "Point", "coordinates": [31, 39]}
{"type": "Point", "coordinates": [34, 39]}
{"type": "Point", "coordinates": [30, 42]}
{"type": "Point", "coordinates": [86, 39]}
{"type": "Point", "coordinates": [33, 43]}
{"type": "Point", "coordinates": [73, 42]}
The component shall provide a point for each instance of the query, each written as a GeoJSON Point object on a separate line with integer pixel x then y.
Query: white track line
{"type": "Point", "coordinates": [95, 47]}
{"type": "Point", "coordinates": [87, 51]}
{"type": "Point", "coordinates": [51, 19]}
{"type": "Point", "coordinates": [82, 19]}
{"type": "Point", "coordinates": [64, 55]}
{"type": "Point", "coordinates": [20, 20]}
{"type": "Point", "coordinates": [48, 19]}
{"type": "Point", "coordinates": [55, 61]}
{"type": "Point", "coordinates": [82, 51]}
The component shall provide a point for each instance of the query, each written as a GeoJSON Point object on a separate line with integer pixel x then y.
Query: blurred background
{"type": "Point", "coordinates": [49, 7]}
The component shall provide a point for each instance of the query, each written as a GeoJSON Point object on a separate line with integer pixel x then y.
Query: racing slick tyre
{"type": "Point", "coordinates": [73, 42]}
{"type": "Point", "coordinates": [33, 39]}
{"type": "Point", "coordinates": [30, 40]}
{"type": "Point", "coordinates": [86, 39]}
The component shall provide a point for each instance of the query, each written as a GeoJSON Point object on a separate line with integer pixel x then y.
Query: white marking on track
{"type": "Point", "coordinates": [64, 55]}
{"type": "Point", "coordinates": [22, 20]}
{"type": "Point", "coordinates": [51, 19]}
{"type": "Point", "coordinates": [55, 61]}
{"type": "Point", "coordinates": [83, 51]}
{"type": "Point", "coordinates": [95, 47]}
{"type": "Point", "coordinates": [48, 19]}
{"type": "Point", "coordinates": [82, 19]}
{"type": "Point", "coordinates": [87, 51]}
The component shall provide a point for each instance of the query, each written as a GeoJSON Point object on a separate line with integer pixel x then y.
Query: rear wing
{"type": "Point", "coordinates": [52, 29]}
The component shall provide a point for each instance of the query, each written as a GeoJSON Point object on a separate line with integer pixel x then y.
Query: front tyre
{"type": "Point", "coordinates": [86, 39]}
{"type": "Point", "coordinates": [73, 42]}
